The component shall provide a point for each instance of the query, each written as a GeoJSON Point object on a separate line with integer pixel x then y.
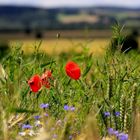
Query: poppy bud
{"type": "Point", "coordinates": [73, 70]}
{"type": "Point", "coordinates": [35, 83]}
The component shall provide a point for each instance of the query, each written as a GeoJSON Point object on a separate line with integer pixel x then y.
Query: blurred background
{"type": "Point", "coordinates": [50, 19]}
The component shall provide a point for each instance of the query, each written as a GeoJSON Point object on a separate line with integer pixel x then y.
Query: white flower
{"type": "Point", "coordinates": [22, 133]}
{"type": "Point", "coordinates": [31, 133]}
{"type": "Point", "coordinates": [38, 123]}
{"type": "Point", "coordinates": [27, 133]}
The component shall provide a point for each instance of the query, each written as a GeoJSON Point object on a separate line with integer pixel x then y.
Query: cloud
{"type": "Point", "coordinates": [54, 3]}
{"type": "Point", "coordinates": [88, 2]}
{"type": "Point", "coordinates": [120, 2]}
{"type": "Point", "coordinates": [50, 3]}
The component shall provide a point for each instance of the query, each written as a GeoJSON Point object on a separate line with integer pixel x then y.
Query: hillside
{"type": "Point", "coordinates": [13, 18]}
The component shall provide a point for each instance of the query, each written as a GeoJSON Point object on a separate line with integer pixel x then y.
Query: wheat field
{"type": "Point", "coordinates": [56, 46]}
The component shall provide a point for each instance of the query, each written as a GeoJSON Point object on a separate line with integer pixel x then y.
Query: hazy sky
{"type": "Point", "coordinates": [58, 3]}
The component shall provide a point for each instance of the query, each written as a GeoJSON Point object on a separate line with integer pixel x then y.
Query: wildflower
{"type": "Point", "coordinates": [27, 133]}
{"type": "Point", "coordinates": [27, 130]}
{"type": "Point", "coordinates": [116, 133]}
{"type": "Point", "coordinates": [44, 106]}
{"type": "Point", "coordinates": [73, 70]}
{"type": "Point", "coordinates": [117, 114]}
{"type": "Point", "coordinates": [31, 133]}
{"type": "Point", "coordinates": [37, 117]}
{"type": "Point", "coordinates": [66, 107]}
{"type": "Point", "coordinates": [46, 76]}
{"type": "Point", "coordinates": [26, 126]}
{"type": "Point", "coordinates": [35, 83]}
{"type": "Point", "coordinates": [122, 136]}
{"type": "Point", "coordinates": [106, 114]}
{"type": "Point", "coordinates": [72, 108]}
{"type": "Point", "coordinates": [22, 133]}
{"type": "Point", "coordinates": [110, 131]}
{"type": "Point", "coordinates": [46, 114]}
{"type": "Point", "coordinates": [38, 123]}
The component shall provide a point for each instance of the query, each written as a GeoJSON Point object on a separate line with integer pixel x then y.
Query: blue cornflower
{"type": "Point", "coordinates": [46, 114]}
{"type": "Point", "coordinates": [110, 131]}
{"type": "Point", "coordinates": [37, 117]}
{"type": "Point", "coordinates": [123, 136]}
{"type": "Point", "coordinates": [72, 108]}
{"type": "Point", "coordinates": [116, 133]}
{"type": "Point", "coordinates": [44, 105]}
{"type": "Point", "coordinates": [117, 113]}
{"type": "Point", "coordinates": [26, 126]}
{"type": "Point", "coordinates": [66, 107]}
{"type": "Point", "coordinates": [106, 114]}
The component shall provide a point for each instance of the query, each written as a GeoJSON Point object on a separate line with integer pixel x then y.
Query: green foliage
{"type": "Point", "coordinates": [117, 39]}
{"type": "Point", "coordinates": [4, 48]}
{"type": "Point", "coordinates": [119, 81]}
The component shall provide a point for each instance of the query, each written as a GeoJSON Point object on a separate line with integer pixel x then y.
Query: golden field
{"type": "Point", "coordinates": [56, 46]}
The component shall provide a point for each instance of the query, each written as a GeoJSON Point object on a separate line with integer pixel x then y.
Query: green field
{"type": "Point", "coordinates": [45, 96]}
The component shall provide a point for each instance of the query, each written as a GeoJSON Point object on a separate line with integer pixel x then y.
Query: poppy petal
{"type": "Point", "coordinates": [73, 70]}
{"type": "Point", "coordinates": [35, 83]}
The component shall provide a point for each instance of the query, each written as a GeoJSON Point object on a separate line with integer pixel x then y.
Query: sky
{"type": "Point", "coordinates": [70, 3]}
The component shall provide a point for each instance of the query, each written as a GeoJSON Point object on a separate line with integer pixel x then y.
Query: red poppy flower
{"type": "Point", "coordinates": [73, 70]}
{"type": "Point", "coordinates": [35, 83]}
{"type": "Point", "coordinates": [45, 78]}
